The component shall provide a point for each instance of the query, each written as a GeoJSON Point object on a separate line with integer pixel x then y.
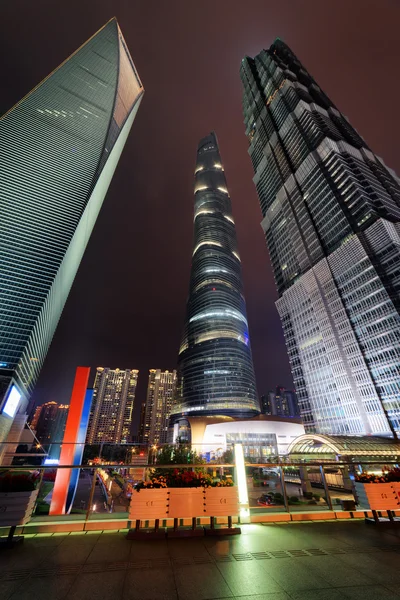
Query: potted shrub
{"type": "Point", "coordinates": [379, 492]}
{"type": "Point", "coordinates": [18, 495]}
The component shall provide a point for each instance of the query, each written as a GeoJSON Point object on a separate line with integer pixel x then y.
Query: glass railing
{"type": "Point", "coordinates": [102, 484]}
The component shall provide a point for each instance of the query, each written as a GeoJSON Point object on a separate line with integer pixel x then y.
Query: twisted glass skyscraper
{"type": "Point", "coordinates": [331, 213]}
{"type": "Point", "coordinates": [60, 146]}
{"type": "Point", "coordinates": [215, 366]}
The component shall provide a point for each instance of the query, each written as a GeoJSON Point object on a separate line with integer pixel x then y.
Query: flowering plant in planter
{"type": "Point", "coordinates": [182, 478]}
{"type": "Point", "coordinates": [23, 482]}
{"type": "Point", "coordinates": [18, 495]}
{"type": "Point", "coordinates": [390, 476]}
{"type": "Point", "coordinates": [187, 478]}
{"type": "Point", "coordinates": [153, 483]}
{"type": "Point", "coordinates": [370, 478]}
{"type": "Point", "coordinates": [223, 483]}
{"type": "Point", "coordinates": [393, 475]}
{"type": "Point", "coordinates": [379, 492]}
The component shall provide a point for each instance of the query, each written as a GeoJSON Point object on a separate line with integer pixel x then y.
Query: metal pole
{"type": "Point", "coordinates": [327, 494]}
{"type": "Point", "coordinates": [284, 492]}
{"type": "Point", "coordinates": [10, 536]}
{"type": "Point", "coordinates": [91, 496]}
{"type": "Point", "coordinates": [38, 488]}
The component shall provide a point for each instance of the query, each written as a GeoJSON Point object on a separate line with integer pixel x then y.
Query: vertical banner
{"type": "Point", "coordinates": [68, 455]}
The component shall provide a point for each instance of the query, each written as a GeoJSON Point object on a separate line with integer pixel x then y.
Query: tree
{"type": "Point", "coordinates": [178, 454]}
{"type": "Point", "coordinates": [228, 457]}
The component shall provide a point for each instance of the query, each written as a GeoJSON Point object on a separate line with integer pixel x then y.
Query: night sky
{"type": "Point", "coordinates": [127, 305]}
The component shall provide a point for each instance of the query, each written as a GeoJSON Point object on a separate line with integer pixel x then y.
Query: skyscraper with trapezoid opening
{"type": "Point", "coordinates": [61, 145]}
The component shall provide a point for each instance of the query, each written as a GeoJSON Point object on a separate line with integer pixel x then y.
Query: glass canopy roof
{"type": "Point", "coordinates": [344, 445]}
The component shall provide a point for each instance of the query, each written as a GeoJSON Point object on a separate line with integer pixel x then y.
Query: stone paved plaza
{"type": "Point", "coordinates": [294, 561]}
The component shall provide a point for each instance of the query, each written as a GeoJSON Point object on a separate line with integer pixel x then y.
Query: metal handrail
{"type": "Point", "coordinates": [193, 465]}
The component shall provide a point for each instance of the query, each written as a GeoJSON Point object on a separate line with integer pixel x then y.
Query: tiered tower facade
{"type": "Point", "coordinates": [331, 217]}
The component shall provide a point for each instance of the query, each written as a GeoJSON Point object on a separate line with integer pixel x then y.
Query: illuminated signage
{"type": "Point", "coordinates": [11, 405]}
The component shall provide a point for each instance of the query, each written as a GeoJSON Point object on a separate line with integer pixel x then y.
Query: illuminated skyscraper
{"type": "Point", "coordinates": [61, 145]}
{"type": "Point", "coordinates": [50, 425]}
{"type": "Point", "coordinates": [281, 403]}
{"type": "Point", "coordinates": [215, 366]}
{"type": "Point", "coordinates": [35, 418]}
{"type": "Point", "coordinates": [110, 416]}
{"type": "Point", "coordinates": [160, 395]}
{"type": "Point", "coordinates": [331, 217]}
{"type": "Point", "coordinates": [45, 422]}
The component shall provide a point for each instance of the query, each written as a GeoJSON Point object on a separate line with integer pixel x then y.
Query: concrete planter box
{"type": "Point", "coordinates": [378, 496]}
{"type": "Point", "coordinates": [16, 507]}
{"type": "Point", "coordinates": [180, 503]}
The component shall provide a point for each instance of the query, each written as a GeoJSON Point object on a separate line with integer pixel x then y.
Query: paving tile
{"type": "Point", "coordinates": [24, 557]}
{"type": "Point", "coordinates": [92, 586]}
{"type": "Point", "coordinates": [86, 538]}
{"type": "Point", "coordinates": [148, 549]}
{"type": "Point", "coordinates": [112, 538]}
{"type": "Point", "coordinates": [47, 540]}
{"type": "Point", "coordinates": [154, 584]}
{"type": "Point", "coordinates": [373, 592]}
{"type": "Point", "coordinates": [248, 578]}
{"type": "Point", "coordinates": [362, 535]}
{"type": "Point", "coordinates": [68, 555]}
{"type": "Point", "coordinates": [45, 588]}
{"type": "Point", "coordinates": [292, 575]}
{"type": "Point", "coordinates": [394, 587]}
{"type": "Point", "coordinates": [335, 572]}
{"type": "Point", "coordinates": [186, 547]}
{"type": "Point", "coordinates": [376, 569]}
{"type": "Point", "coordinates": [109, 552]}
{"type": "Point", "coordinates": [257, 544]}
{"type": "Point", "coordinates": [216, 546]}
{"type": "Point", "coordinates": [200, 582]}
{"type": "Point", "coordinates": [9, 587]}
